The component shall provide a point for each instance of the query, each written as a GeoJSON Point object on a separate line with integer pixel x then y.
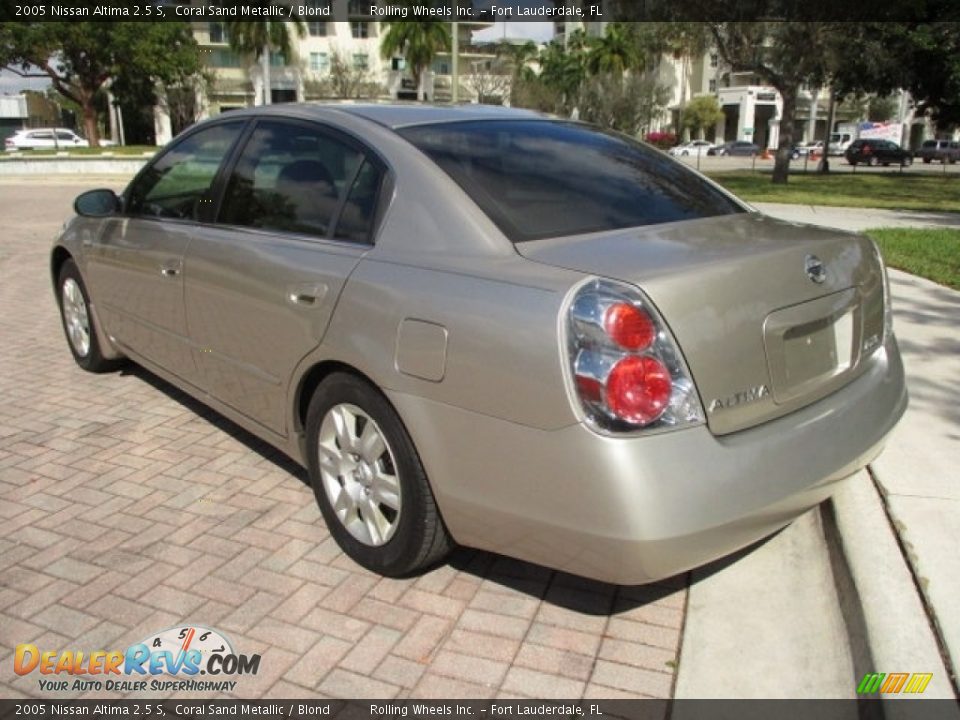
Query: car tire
{"type": "Point", "coordinates": [394, 529]}
{"type": "Point", "coordinates": [77, 320]}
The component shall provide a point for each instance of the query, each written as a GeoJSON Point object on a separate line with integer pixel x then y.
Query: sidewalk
{"type": "Point", "coordinates": [869, 582]}
{"type": "Point", "coordinates": [858, 219]}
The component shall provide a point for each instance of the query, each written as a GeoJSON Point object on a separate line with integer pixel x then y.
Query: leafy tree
{"type": "Point", "coordinates": [614, 53]}
{"type": "Point", "coordinates": [80, 58]}
{"type": "Point", "coordinates": [922, 57]}
{"type": "Point", "coordinates": [259, 38]}
{"type": "Point", "coordinates": [785, 55]}
{"type": "Point", "coordinates": [702, 112]}
{"type": "Point", "coordinates": [418, 42]}
{"type": "Point", "coordinates": [517, 59]}
{"type": "Point", "coordinates": [622, 103]}
{"type": "Point", "coordinates": [563, 70]}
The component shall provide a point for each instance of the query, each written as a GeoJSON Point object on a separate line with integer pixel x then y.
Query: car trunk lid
{"type": "Point", "coordinates": [770, 316]}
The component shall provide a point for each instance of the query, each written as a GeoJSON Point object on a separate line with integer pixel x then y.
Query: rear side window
{"type": "Point", "coordinates": [538, 179]}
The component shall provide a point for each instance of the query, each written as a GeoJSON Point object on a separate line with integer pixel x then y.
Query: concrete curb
{"type": "Point", "coordinates": [897, 631]}
{"type": "Point", "coordinates": [71, 166]}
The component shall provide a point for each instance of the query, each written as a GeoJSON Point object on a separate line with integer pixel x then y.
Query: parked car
{"type": "Point", "coordinates": [813, 148]}
{"type": "Point", "coordinates": [42, 138]}
{"type": "Point", "coordinates": [695, 147]}
{"type": "Point", "coordinates": [944, 151]}
{"type": "Point", "coordinates": [737, 147]}
{"type": "Point", "coordinates": [485, 326]}
{"type": "Point", "coordinates": [877, 152]}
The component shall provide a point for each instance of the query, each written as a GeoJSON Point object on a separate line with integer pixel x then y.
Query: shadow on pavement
{"type": "Point", "coordinates": [581, 595]}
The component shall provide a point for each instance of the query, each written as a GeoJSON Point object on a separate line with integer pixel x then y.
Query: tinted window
{"type": "Point", "coordinates": [538, 179]}
{"type": "Point", "coordinates": [356, 220]}
{"type": "Point", "coordinates": [178, 183]}
{"type": "Point", "coordinates": [289, 177]}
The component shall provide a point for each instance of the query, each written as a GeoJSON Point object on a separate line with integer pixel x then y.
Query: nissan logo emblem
{"type": "Point", "coordinates": [815, 268]}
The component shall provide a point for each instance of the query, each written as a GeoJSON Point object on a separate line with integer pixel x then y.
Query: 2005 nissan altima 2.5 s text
{"type": "Point", "coordinates": [487, 327]}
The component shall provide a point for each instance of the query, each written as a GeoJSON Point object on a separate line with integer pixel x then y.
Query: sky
{"type": "Point", "coordinates": [537, 31]}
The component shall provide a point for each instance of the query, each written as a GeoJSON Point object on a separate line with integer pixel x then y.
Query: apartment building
{"type": "Point", "coordinates": [309, 73]}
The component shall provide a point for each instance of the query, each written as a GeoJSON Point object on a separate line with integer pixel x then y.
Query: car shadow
{"type": "Point", "coordinates": [222, 423]}
{"type": "Point", "coordinates": [552, 587]}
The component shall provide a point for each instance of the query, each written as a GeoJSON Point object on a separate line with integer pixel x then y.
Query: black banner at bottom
{"type": "Point", "coordinates": [870, 709]}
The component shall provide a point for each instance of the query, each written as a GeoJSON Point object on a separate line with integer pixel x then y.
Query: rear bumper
{"type": "Point", "coordinates": [634, 510]}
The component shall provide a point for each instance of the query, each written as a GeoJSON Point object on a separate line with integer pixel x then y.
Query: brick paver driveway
{"type": "Point", "coordinates": [128, 508]}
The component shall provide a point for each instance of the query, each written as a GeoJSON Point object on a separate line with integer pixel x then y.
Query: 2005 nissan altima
{"type": "Point", "coordinates": [487, 327]}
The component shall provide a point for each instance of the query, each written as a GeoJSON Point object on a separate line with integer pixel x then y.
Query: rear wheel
{"type": "Point", "coordinates": [369, 482]}
{"type": "Point", "coordinates": [78, 321]}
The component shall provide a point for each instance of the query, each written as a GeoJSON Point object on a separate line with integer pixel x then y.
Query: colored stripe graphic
{"type": "Point", "coordinates": [892, 683]}
{"type": "Point", "coordinates": [918, 683]}
{"type": "Point", "coordinates": [870, 684]}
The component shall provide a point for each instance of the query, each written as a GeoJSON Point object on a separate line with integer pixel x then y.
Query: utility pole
{"type": "Point", "coordinates": [455, 65]}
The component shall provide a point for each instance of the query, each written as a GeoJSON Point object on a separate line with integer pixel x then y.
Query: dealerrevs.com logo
{"type": "Point", "coordinates": [171, 660]}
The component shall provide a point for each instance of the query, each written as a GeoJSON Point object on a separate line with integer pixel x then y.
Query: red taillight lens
{"type": "Point", "coordinates": [638, 389]}
{"type": "Point", "coordinates": [629, 326]}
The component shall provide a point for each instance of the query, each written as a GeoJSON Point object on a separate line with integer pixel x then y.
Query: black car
{"type": "Point", "coordinates": [877, 152]}
{"type": "Point", "coordinates": [737, 147]}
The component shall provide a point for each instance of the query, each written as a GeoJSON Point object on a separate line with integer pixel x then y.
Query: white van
{"type": "Point", "coordinates": [839, 142]}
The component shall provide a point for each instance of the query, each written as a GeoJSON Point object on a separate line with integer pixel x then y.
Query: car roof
{"type": "Point", "coordinates": [396, 115]}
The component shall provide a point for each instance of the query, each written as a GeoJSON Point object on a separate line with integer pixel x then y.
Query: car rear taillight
{"type": "Point", "coordinates": [626, 369]}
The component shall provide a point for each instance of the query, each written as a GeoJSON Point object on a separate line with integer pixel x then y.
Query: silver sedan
{"type": "Point", "coordinates": [487, 327]}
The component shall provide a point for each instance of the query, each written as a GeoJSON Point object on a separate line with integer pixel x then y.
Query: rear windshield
{"type": "Point", "coordinates": [538, 179]}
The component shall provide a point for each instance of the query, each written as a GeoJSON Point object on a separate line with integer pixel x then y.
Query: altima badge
{"type": "Point", "coordinates": [815, 268]}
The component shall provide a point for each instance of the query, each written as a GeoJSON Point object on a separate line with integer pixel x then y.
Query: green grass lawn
{"type": "Point", "coordinates": [892, 190]}
{"type": "Point", "coordinates": [933, 254]}
{"type": "Point", "coordinates": [117, 150]}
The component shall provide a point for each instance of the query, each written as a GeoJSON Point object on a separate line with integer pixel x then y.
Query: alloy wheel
{"type": "Point", "coordinates": [76, 317]}
{"type": "Point", "coordinates": [359, 474]}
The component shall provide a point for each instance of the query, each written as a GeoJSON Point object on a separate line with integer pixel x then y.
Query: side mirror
{"type": "Point", "coordinates": [97, 203]}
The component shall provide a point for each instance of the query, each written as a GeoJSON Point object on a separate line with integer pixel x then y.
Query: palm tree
{"type": "Point", "coordinates": [614, 53]}
{"type": "Point", "coordinates": [517, 58]}
{"type": "Point", "coordinates": [418, 42]}
{"type": "Point", "coordinates": [259, 37]}
{"type": "Point", "coordinates": [562, 70]}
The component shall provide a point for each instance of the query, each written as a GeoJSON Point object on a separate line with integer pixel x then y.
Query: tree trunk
{"type": "Point", "coordinates": [418, 81]}
{"type": "Point", "coordinates": [781, 167]}
{"type": "Point", "coordinates": [265, 66]}
{"type": "Point", "coordinates": [90, 119]}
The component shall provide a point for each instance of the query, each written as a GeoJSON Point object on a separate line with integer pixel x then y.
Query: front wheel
{"type": "Point", "coordinates": [78, 321]}
{"type": "Point", "coordinates": [369, 482]}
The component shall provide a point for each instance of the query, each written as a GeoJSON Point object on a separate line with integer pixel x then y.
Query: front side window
{"type": "Point", "coordinates": [178, 184]}
{"type": "Point", "coordinates": [289, 177]}
{"type": "Point", "coordinates": [538, 179]}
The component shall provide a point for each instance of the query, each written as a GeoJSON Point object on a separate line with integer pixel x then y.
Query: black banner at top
{"type": "Point", "coordinates": [479, 11]}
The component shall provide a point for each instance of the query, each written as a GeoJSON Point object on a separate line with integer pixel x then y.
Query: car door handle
{"type": "Point", "coordinates": [307, 294]}
{"type": "Point", "coordinates": [171, 268]}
